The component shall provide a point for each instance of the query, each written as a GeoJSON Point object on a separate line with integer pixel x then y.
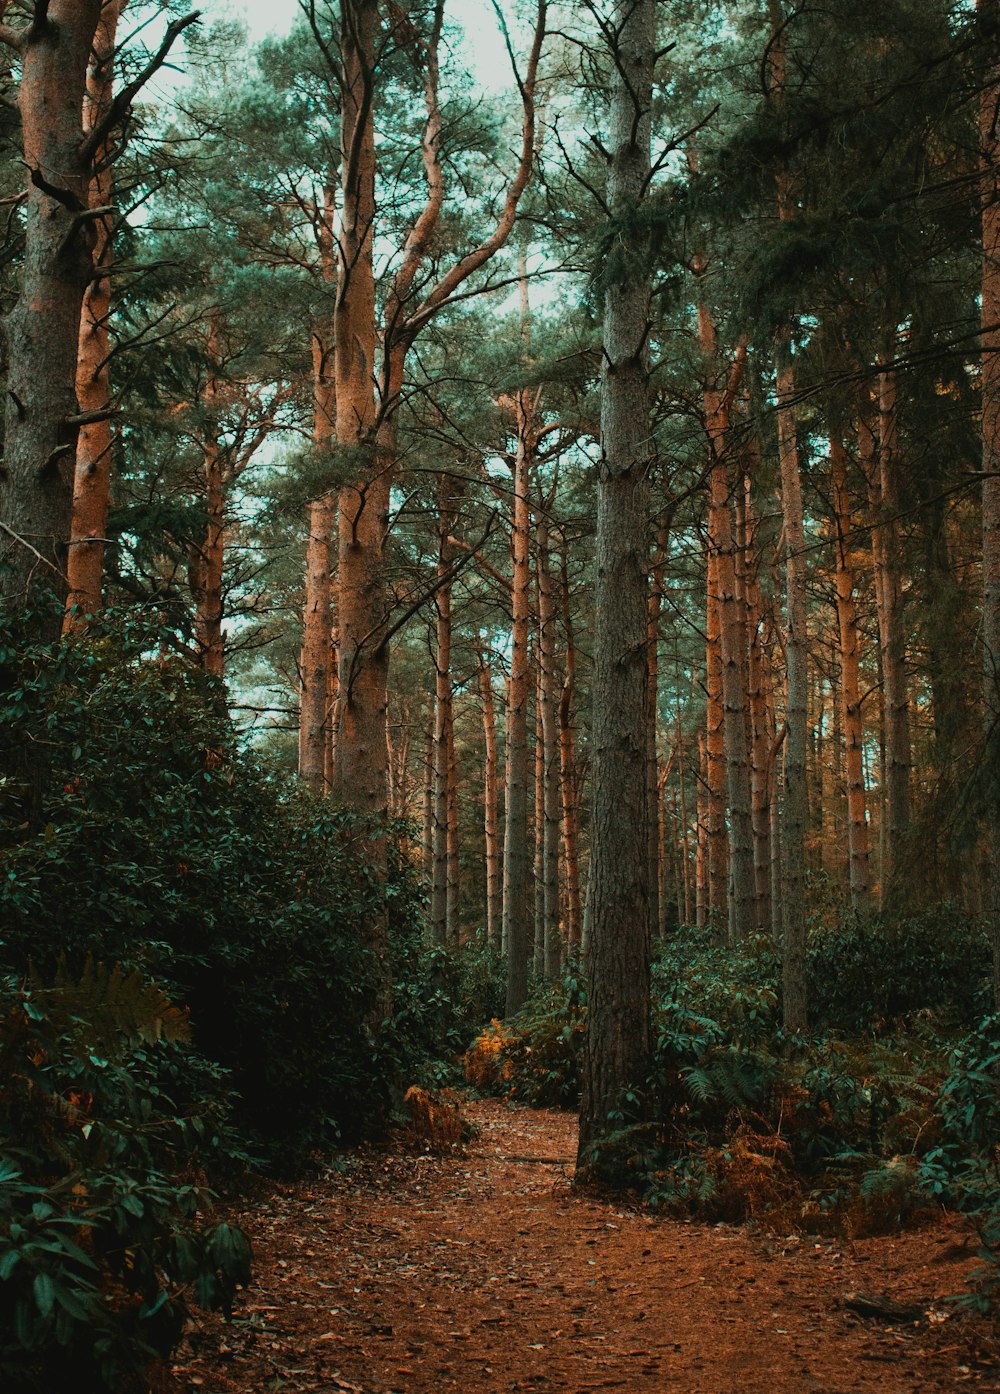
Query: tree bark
{"type": "Point", "coordinates": [568, 767]}
{"type": "Point", "coordinates": [618, 1047]}
{"type": "Point", "coordinates": [859, 873]}
{"type": "Point", "coordinates": [43, 329]}
{"type": "Point", "coordinates": [442, 927]}
{"type": "Point", "coordinates": [883, 482]}
{"type": "Point", "coordinates": [548, 620]}
{"type": "Point", "coordinates": [517, 862]}
{"type": "Point", "coordinates": [491, 812]}
{"type": "Point", "coordinates": [990, 160]}
{"type": "Point", "coordinates": [92, 478]}
{"type": "Point", "coordinates": [795, 804]}
{"type": "Point", "coordinates": [317, 714]}
{"type": "Point", "coordinates": [716, 845]}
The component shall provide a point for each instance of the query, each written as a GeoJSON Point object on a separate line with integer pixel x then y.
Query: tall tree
{"type": "Point", "coordinates": [618, 1046]}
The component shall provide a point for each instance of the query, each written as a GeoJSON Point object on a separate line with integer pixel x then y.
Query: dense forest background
{"type": "Point", "coordinates": [522, 550]}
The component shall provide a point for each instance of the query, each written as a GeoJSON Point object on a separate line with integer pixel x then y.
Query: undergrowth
{"type": "Point", "coordinates": [888, 1110]}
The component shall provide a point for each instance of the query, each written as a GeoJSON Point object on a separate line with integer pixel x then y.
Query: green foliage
{"type": "Point", "coordinates": [866, 974]}
{"type": "Point", "coordinates": [535, 1056]}
{"type": "Point", "coordinates": [145, 835]}
{"type": "Point", "coordinates": [108, 1133]}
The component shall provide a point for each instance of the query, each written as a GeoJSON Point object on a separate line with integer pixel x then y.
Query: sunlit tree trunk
{"type": "Point", "coordinates": [618, 1045]}
{"type": "Point", "coordinates": [317, 717]}
{"type": "Point", "coordinates": [92, 478]}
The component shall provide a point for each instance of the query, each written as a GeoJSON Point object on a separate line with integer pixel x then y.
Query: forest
{"type": "Point", "coordinates": [500, 696]}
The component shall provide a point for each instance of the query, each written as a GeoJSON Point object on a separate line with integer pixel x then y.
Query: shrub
{"type": "Point", "coordinates": [149, 837]}
{"type": "Point", "coordinates": [109, 1129]}
{"type": "Point", "coordinates": [535, 1056]}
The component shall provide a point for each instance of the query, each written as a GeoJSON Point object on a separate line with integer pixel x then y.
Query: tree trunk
{"type": "Point", "coordinates": [568, 768]}
{"type": "Point", "coordinates": [795, 804]}
{"type": "Point", "coordinates": [655, 821]}
{"type": "Point", "coordinates": [701, 851]}
{"type": "Point", "coordinates": [517, 907]}
{"type": "Point", "coordinates": [618, 1045]}
{"type": "Point", "coordinates": [43, 329]}
{"type": "Point", "coordinates": [761, 721]}
{"type": "Point", "coordinates": [317, 714]}
{"type": "Point", "coordinates": [207, 565]}
{"type": "Point", "coordinates": [92, 479]}
{"type": "Point", "coordinates": [850, 686]}
{"type": "Point", "coordinates": [360, 779]}
{"type": "Point", "coordinates": [441, 929]}
{"type": "Point", "coordinates": [548, 721]}
{"type": "Point", "coordinates": [491, 814]}
{"type": "Point", "coordinates": [990, 155]}
{"type": "Point", "coordinates": [882, 473]}
{"type": "Point", "coordinates": [717, 849]}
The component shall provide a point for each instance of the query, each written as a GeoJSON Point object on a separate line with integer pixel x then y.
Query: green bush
{"type": "Point", "coordinates": [534, 1057]}
{"type": "Point", "coordinates": [146, 835]}
{"type": "Point", "coordinates": [109, 1130]}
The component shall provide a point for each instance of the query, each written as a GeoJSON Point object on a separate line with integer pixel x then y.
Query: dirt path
{"type": "Point", "coordinates": [485, 1274]}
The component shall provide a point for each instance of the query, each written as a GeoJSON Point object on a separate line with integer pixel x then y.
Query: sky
{"type": "Point", "coordinates": [486, 53]}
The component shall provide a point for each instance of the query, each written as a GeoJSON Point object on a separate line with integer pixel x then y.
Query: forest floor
{"type": "Point", "coordinates": [484, 1273]}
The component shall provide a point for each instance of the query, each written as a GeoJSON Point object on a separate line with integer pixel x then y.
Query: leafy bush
{"type": "Point", "coordinates": [870, 974]}
{"type": "Point", "coordinates": [535, 1056]}
{"type": "Point", "coordinates": [109, 1129]}
{"type": "Point", "coordinates": [147, 836]}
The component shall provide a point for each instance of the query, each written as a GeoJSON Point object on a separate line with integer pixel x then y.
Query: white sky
{"type": "Point", "coordinates": [485, 48]}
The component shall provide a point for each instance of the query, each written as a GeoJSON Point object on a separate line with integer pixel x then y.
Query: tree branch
{"type": "Point", "coordinates": [122, 102]}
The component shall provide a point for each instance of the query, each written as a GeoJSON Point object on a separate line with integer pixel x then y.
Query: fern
{"type": "Point", "coordinates": [110, 1011]}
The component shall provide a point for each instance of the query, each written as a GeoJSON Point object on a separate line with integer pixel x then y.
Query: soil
{"type": "Point", "coordinates": [485, 1273]}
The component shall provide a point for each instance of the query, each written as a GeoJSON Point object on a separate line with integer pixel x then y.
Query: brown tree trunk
{"type": "Point", "coordinates": [618, 1040]}
{"type": "Point", "coordinates": [43, 329]}
{"type": "Point", "coordinates": [517, 906]}
{"type": "Point", "coordinates": [441, 928]}
{"type": "Point", "coordinates": [454, 894]}
{"type": "Point", "coordinates": [548, 620]}
{"type": "Point", "coordinates": [318, 685]}
{"type": "Point", "coordinates": [364, 505]}
{"type": "Point", "coordinates": [886, 555]}
{"type": "Point", "coordinates": [850, 686]}
{"type": "Point", "coordinates": [491, 813]}
{"type": "Point", "coordinates": [990, 158]}
{"type": "Point", "coordinates": [761, 720]}
{"type": "Point", "coordinates": [655, 821]}
{"type": "Point", "coordinates": [568, 767]}
{"type": "Point", "coordinates": [538, 836]}
{"type": "Point", "coordinates": [92, 478]}
{"type": "Point", "coordinates": [360, 776]}
{"type": "Point", "coordinates": [701, 851]}
{"type": "Point", "coordinates": [717, 850]}
{"type": "Point", "coordinates": [795, 803]}
{"type": "Point", "coordinates": [427, 803]}
{"type": "Point", "coordinates": [207, 557]}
